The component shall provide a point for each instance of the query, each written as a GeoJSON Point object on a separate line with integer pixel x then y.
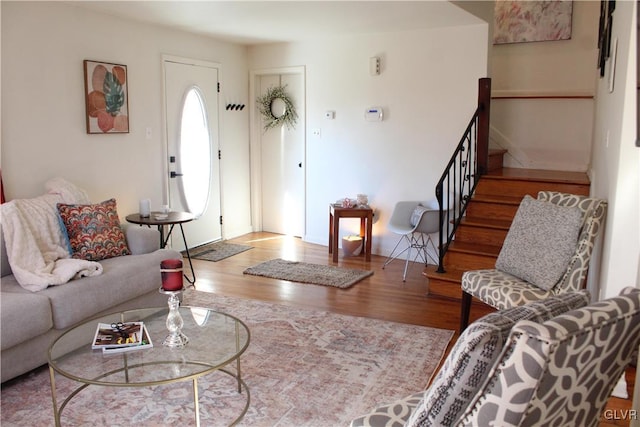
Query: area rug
{"type": "Point", "coordinates": [218, 251]}
{"type": "Point", "coordinates": [303, 368]}
{"type": "Point", "coordinates": [304, 272]}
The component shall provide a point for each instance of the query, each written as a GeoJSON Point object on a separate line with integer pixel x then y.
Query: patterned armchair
{"type": "Point", "coordinates": [501, 288]}
{"type": "Point", "coordinates": [558, 371]}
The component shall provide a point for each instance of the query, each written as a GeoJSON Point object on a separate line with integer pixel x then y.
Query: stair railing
{"type": "Point", "coordinates": [458, 182]}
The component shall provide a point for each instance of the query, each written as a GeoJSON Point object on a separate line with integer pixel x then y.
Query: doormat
{"type": "Point", "coordinates": [218, 251]}
{"type": "Point", "coordinates": [304, 272]}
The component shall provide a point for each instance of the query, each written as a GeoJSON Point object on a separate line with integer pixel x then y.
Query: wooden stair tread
{"type": "Point", "coordinates": [451, 275]}
{"type": "Point", "coordinates": [444, 285]}
{"type": "Point", "coordinates": [489, 216]}
{"type": "Point", "coordinates": [492, 198]}
{"type": "Point", "coordinates": [580, 178]}
{"type": "Point", "coordinates": [474, 248]}
{"type": "Point", "coordinates": [499, 224]}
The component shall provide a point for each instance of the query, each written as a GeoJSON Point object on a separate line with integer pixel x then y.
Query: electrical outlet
{"type": "Point", "coordinates": [316, 132]}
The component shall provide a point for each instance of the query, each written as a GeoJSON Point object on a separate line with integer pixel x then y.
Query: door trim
{"type": "Point", "coordinates": [165, 137]}
{"type": "Point", "coordinates": [255, 149]}
{"type": "Point", "coordinates": [165, 133]}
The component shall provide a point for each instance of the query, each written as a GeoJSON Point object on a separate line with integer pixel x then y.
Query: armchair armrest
{"type": "Point", "coordinates": [141, 240]}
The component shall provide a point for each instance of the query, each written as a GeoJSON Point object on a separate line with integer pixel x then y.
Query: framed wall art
{"type": "Point", "coordinates": [607, 7]}
{"type": "Point", "coordinates": [532, 21]}
{"type": "Point", "coordinates": [106, 98]}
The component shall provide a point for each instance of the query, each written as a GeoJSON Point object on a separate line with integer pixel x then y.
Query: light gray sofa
{"type": "Point", "coordinates": [30, 321]}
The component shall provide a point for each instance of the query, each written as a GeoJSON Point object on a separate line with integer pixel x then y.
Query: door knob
{"type": "Point", "coordinates": [174, 174]}
{"type": "Point", "coordinates": [300, 164]}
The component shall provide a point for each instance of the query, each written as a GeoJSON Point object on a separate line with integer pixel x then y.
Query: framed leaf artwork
{"type": "Point", "coordinates": [107, 102]}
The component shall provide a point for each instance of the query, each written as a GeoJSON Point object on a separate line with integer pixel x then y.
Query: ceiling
{"type": "Point", "coordinates": [257, 22]}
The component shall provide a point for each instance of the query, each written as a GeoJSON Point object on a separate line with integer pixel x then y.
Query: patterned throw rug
{"type": "Point", "coordinates": [303, 368]}
{"type": "Point", "coordinates": [303, 272]}
{"type": "Point", "coordinates": [218, 251]}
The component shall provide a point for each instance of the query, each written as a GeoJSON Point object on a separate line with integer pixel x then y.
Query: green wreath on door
{"type": "Point", "coordinates": [277, 108]}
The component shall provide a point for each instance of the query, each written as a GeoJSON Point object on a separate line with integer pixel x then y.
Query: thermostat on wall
{"type": "Point", "coordinates": [373, 114]}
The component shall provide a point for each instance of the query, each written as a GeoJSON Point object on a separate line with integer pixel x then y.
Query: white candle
{"type": "Point", "coordinates": [145, 208]}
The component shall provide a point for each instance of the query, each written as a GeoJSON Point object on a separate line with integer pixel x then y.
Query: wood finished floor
{"type": "Point", "coordinates": [382, 296]}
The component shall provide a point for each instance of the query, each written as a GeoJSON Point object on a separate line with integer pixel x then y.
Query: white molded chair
{"type": "Point", "coordinates": [415, 233]}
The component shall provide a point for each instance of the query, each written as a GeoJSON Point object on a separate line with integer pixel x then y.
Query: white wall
{"type": "Point", "coordinates": [428, 90]}
{"type": "Point", "coordinates": [43, 132]}
{"type": "Point", "coordinates": [554, 68]}
{"type": "Point", "coordinates": [482, 9]}
{"type": "Point", "coordinates": [543, 133]}
{"type": "Point", "coordinates": [616, 164]}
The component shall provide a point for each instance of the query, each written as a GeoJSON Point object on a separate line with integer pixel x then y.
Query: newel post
{"type": "Point", "coordinates": [484, 107]}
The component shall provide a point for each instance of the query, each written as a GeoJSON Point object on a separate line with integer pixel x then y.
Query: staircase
{"type": "Point", "coordinates": [489, 213]}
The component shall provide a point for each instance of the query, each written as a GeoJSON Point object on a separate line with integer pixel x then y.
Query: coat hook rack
{"type": "Point", "coordinates": [235, 107]}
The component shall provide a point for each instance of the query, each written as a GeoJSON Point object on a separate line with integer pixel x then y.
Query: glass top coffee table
{"type": "Point", "coordinates": [216, 340]}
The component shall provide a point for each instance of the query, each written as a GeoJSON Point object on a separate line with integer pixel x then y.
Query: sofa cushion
{"type": "Point", "coordinates": [141, 240]}
{"type": "Point", "coordinates": [467, 366]}
{"type": "Point", "coordinates": [5, 268]}
{"type": "Point", "coordinates": [540, 242]}
{"type": "Point", "coordinates": [94, 230]}
{"type": "Point", "coordinates": [123, 278]}
{"type": "Point", "coordinates": [23, 316]}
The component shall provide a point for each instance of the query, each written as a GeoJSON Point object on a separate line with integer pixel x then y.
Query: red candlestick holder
{"type": "Point", "coordinates": [171, 271]}
{"type": "Point", "coordinates": [172, 285]}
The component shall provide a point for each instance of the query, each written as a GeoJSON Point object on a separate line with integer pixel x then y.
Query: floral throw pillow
{"type": "Point", "coordinates": [94, 230]}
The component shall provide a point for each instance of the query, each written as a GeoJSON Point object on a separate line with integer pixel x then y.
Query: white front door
{"type": "Point", "coordinates": [282, 163]}
{"type": "Point", "coordinates": [191, 97]}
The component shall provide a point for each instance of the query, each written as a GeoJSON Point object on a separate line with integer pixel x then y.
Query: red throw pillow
{"type": "Point", "coordinates": [94, 230]}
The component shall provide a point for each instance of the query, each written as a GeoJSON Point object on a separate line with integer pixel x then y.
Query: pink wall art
{"type": "Point", "coordinates": [107, 102]}
{"type": "Point", "coordinates": [531, 21]}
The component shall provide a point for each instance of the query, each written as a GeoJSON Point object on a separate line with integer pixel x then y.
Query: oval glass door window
{"type": "Point", "coordinates": [195, 153]}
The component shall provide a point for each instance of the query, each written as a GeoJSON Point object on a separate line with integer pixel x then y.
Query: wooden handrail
{"type": "Point", "coordinates": [484, 110]}
{"type": "Point", "coordinates": [542, 97]}
{"type": "Point", "coordinates": [514, 94]}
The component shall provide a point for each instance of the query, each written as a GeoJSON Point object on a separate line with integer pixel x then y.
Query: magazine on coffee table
{"type": "Point", "coordinates": [117, 334]}
{"type": "Point", "coordinates": [145, 343]}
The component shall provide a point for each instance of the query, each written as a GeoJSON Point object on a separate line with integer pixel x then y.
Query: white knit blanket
{"type": "Point", "coordinates": [36, 247]}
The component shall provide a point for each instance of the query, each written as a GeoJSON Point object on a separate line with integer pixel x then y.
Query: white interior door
{"type": "Point", "coordinates": [282, 163]}
{"type": "Point", "coordinates": [191, 97]}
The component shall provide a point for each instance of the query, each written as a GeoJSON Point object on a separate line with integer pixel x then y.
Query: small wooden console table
{"type": "Point", "coordinates": [366, 223]}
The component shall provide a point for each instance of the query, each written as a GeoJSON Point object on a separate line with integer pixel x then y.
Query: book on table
{"type": "Point", "coordinates": [144, 343]}
{"type": "Point", "coordinates": [119, 335]}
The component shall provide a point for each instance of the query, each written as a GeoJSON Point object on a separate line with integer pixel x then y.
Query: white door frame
{"type": "Point", "coordinates": [165, 154]}
{"type": "Point", "coordinates": [256, 150]}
